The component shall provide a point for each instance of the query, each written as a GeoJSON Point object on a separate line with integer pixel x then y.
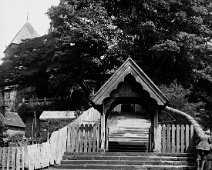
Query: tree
{"type": "Point", "coordinates": [171, 40]}
{"type": "Point", "coordinates": [178, 98]}
{"type": "Point", "coordinates": [78, 49]}
{"type": "Point", "coordinates": [28, 63]}
{"type": "Point", "coordinates": [87, 41]}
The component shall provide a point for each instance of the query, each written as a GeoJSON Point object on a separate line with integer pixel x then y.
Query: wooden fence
{"type": "Point", "coordinates": [176, 138]}
{"type": "Point", "coordinates": [71, 138]}
{"type": "Point", "coordinates": [43, 102]}
{"type": "Point", "coordinates": [12, 158]}
{"type": "Point", "coordinates": [84, 138]}
{"type": "Point", "coordinates": [33, 101]}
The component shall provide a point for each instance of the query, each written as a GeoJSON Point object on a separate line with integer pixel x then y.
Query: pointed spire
{"type": "Point", "coordinates": [27, 16]}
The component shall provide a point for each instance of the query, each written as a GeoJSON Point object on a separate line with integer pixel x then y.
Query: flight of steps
{"type": "Point", "coordinates": [129, 136]}
{"type": "Point", "coordinates": [127, 161]}
{"type": "Point", "coordinates": [128, 147]}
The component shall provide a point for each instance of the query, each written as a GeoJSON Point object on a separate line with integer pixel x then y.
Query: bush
{"type": "Point", "coordinates": [178, 98]}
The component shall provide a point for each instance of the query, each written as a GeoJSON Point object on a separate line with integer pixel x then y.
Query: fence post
{"type": "Point", "coordinates": [8, 157]}
{"type": "Point", "coordinates": [68, 144]}
{"type": "Point", "coordinates": [22, 157]}
{"type": "Point", "coordinates": [168, 138]}
{"type": "Point", "coordinates": [90, 130]}
{"type": "Point", "coordinates": [164, 141]}
{"type": "Point", "coordinates": [178, 138]}
{"type": "Point", "coordinates": [3, 158]}
{"type": "Point", "coordinates": [159, 138]}
{"type": "Point", "coordinates": [186, 137]}
{"type": "Point", "coordinates": [191, 137]}
{"type": "Point", "coordinates": [13, 157]}
{"type": "Point", "coordinates": [44, 100]}
{"type": "Point", "coordinates": [81, 131]}
{"type": "Point", "coordinates": [182, 146]}
{"type": "Point", "coordinates": [94, 138]}
{"type": "Point", "coordinates": [18, 158]}
{"type": "Point", "coordinates": [173, 138]}
{"type": "Point", "coordinates": [86, 138]}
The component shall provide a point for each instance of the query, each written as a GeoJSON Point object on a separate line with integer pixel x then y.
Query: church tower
{"type": "Point", "coordinates": [26, 32]}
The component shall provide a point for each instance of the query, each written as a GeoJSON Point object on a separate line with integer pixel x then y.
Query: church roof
{"type": "Point", "coordinates": [57, 115]}
{"type": "Point", "coordinates": [26, 32]}
{"type": "Point", "coordinates": [129, 67]}
{"type": "Point", "coordinates": [12, 119]}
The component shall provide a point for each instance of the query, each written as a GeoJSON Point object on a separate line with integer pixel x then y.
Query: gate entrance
{"type": "Point", "coordinates": [129, 127]}
{"type": "Point", "coordinates": [118, 101]}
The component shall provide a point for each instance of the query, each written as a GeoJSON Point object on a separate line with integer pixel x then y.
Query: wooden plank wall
{"type": "Point", "coordinates": [177, 138]}
{"type": "Point", "coordinates": [83, 138]}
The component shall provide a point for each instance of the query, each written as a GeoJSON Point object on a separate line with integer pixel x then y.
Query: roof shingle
{"type": "Point", "coordinates": [26, 32]}
{"type": "Point", "coordinates": [12, 119]}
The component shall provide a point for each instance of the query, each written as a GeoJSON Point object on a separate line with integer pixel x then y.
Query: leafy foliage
{"type": "Point", "coordinates": [169, 36]}
{"type": "Point", "coordinates": [169, 39]}
{"type": "Point", "coordinates": [79, 48]}
{"type": "Point", "coordinates": [171, 42]}
{"type": "Point", "coordinates": [179, 98]}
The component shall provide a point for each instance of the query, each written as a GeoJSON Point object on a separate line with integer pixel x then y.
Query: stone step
{"type": "Point", "coordinates": [96, 166]}
{"type": "Point", "coordinates": [125, 167]}
{"type": "Point", "coordinates": [150, 154]}
{"type": "Point", "coordinates": [128, 146]}
{"type": "Point", "coordinates": [135, 158]}
{"type": "Point", "coordinates": [128, 160]}
{"type": "Point", "coordinates": [129, 156]}
{"type": "Point", "coordinates": [125, 162]}
{"type": "Point", "coordinates": [130, 143]}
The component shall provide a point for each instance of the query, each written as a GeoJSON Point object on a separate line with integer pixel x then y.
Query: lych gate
{"type": "Point", "coordinates": [129, 88]}
{"type": "Point", "coordinates": [130, 85]}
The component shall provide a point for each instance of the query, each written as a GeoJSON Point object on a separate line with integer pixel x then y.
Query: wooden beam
{"type": "Point", "coordinates": [156, 133]}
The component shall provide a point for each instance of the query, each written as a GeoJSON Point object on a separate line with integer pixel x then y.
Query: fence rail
{"type": "Point", "coordinates": [177, 138]}
{"type": "Point", "coordinates": [34, 101]}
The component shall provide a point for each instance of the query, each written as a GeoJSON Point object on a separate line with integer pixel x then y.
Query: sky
{"type": "Point", "coordinates": [13, 15]}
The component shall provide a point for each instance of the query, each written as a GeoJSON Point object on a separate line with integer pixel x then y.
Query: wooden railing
{"type": "Point", "coordinates": [43, 102]}
{"type": "Point", "coordinates": [33, 101]}
{"type": "Point", "coordinates": [84, 138]}
{"type": "Point", "coordinates": [176, 138]}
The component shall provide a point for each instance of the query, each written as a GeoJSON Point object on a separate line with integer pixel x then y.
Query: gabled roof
{"type": "Point", "coordinates": [26, 32]}
{"type": "Point", "coordinates": [57, 115]}
{"type": "Point", "coordinates": [12, 119]}
{"type": "Point", "coordinates": [129, 67]}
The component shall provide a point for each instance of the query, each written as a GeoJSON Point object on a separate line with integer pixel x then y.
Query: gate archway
{"type": "Point", "coordinates": [130, 85]}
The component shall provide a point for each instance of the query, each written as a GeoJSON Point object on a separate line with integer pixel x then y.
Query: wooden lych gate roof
{"type": "Point", "coordinates": [129, 67]}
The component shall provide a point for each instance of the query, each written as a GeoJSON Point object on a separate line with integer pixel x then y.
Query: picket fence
{"type": "Point", "coordinates": [12, 158]}
{"type": "Point", "coordinates": [35, 156]}
{"type": "Point", "coordinates": [84, 138]}
{"type": "Point", "coordinates": [176, 138]}
{"type": "Point", "coordinates": [72, 138]}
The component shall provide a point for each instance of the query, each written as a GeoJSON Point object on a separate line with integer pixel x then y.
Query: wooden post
{"type": "Point", "coordinates": [103, 132]}
{"type": "Point", "coordinates": [159, 138]}
{"type": "Point", "coordinates": [156, 135]}
{"type": "Point", "coordinates": [35, 125]}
